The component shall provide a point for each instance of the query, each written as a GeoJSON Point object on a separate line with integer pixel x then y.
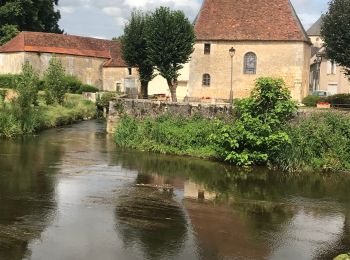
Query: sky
{"type": "Point", "coordinates": [106, 18]}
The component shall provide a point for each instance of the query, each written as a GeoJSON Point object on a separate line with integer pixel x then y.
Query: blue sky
{"type": "Point", "coordinates": [106, 18]}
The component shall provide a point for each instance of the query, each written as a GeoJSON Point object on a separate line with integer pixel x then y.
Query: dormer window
{"type": "Point", "coordinates": [207, 47]}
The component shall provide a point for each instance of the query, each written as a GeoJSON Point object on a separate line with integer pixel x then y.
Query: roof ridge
{"type": "Point", "coordinates": [306, 37]}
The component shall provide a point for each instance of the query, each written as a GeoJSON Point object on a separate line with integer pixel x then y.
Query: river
{"type": "Point", "coordinates": [71, 194]}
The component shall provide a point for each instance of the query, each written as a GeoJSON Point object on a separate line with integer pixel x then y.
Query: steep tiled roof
{"type": "Point", "coordinates": [66, 44]}
{"type": "Point", "coordinates": [315, 29]}
{"type": "Point", "coordinates": [264, 20]}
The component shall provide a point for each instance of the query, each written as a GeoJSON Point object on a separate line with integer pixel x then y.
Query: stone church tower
{"type": "Point", "coordinates": [268, 38]}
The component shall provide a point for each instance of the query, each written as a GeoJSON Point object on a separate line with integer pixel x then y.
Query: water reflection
{"type": "Point", "coordinates": [26, 192]}
{"type": "Point", "coordinates": [255, 214]}
{"type": "Point", "coordinates": [149, 217]}
{"type": "Point", "coordinates": [70, 194]}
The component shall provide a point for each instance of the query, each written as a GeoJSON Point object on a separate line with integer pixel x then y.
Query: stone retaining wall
{"type": "Point", "coordinates": [141, 108]}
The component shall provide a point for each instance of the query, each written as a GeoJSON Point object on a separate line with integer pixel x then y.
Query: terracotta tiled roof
{"type": "Point", "coordinates": [251, 20]}
{"type": "Point", "coordinates": [66, 44]}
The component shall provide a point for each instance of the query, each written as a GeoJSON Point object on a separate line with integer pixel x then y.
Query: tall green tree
{"type": "Point", "coordinates": [55, 85]}
{"type": "Point", "coordinates": [134, 49]}
{"type": "Point", "coordinates": [336, 32]}
{"type": "Point", "coordinates": [7, 32]}
{"type": "Point", "coordinates": [29, 15]}
{"type": "Point", "coordinates": [170, 40]}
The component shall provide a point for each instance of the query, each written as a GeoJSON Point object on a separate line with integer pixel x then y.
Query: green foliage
{"type": "Point", "coordinates": [28, 15]}
{"type": "Point", "coordinates": [42, 117]}
{"type": "Point", "coordinates": [87, 88]}
{"type": "Point", "coordinates": [73, 83]}
{"type": "Point", "coordinates": [339, 99]}
{"type": "Point", "coordinates": [55, 84]}
{"type": "Point", "coordinates": [312, 100]}
{"type": "Point", "coordinates": [167, 134]}
{"type": "Point", "coordinates": [336, 32]}
{"type": "Point", "coordinates": [343, 257]}
{"type": "Point", "coordinates": [102, 101]}
{"type": "Point", "coordinates": [8, 80]}
{"type": "Point", "coordinates": [256, 135]}
{"type": "Point", "coordinates": [26, 87]}
{"type": "Point", "coordinates": [134, 49]}
{"type": "Point", "coordinates": [170, 40]}
{"type": "Point", "coordinates": [318, 142]}
{"type": "Point", "coordinates": [7, 32]}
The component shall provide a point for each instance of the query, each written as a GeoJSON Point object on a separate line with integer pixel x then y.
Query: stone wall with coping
{"type": "Point", "coordinates": [142, 108]}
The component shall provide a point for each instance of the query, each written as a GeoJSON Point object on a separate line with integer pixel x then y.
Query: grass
{"type": "Point", "coordinates": [167, 134]}
{"type": "Point", "coordinates": [318, 142]}
{"type": "Point", "coordinates": [43, 116]}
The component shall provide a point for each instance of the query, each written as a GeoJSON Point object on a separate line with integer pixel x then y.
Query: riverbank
{"type": "Point", "coordinates": [42, 116]}
{"type": "Point", "coordinates": [317, 142]}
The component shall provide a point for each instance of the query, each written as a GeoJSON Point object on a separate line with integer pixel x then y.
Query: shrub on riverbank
{"type": "Point", "coordinates": [318, 142]}
{"type": "Point", "coordinates": [263, 132]}
{"type": "Point", "coordinates": [44, 116]}
{"type": "Point", "coordinates": [167, 134]}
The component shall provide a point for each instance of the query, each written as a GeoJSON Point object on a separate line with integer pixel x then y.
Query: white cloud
{"type": "Point", "coordinates": [111, 15]}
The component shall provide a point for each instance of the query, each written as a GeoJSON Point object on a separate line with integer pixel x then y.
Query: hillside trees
{"type": "Point", "coordinates": [336, 32]}
{"type": "Point", "coordinates": [27, 15]}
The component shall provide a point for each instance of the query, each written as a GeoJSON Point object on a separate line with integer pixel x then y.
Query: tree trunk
{"type": "Point", "coordinates": [144, 90]}
{"type": "Point", "coordinates": [173, 86]}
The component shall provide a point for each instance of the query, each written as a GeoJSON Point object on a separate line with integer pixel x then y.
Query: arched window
{"type": "Point", "coordinates": [250, 63]}
{"type": "Point", "coordinates": [206, 80]}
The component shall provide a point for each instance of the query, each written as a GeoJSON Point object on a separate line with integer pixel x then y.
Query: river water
{"type": "Point", "coordinates": [70, 194]}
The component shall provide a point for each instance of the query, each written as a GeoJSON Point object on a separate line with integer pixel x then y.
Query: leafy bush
{"type": "Point", "coordinates": [3, 93]}
{"type": "Point", "coordinates": [8, 80]}
{"type": "Point", "coordinates": [311, 100]}
{"type": "Point", "coordinates": [318, 142]}
{"type": "Point", "coordinates": [55, 84]}
{"type": "Point", "coordinates": [340, 99]}
{"type": "Point", "coordinates": [167, 134]}
{"type": "Point", "coordinates": [73, 84]}
{"type": "Point", "coordinates": [43, 116]}
{"type": "Point", "coordinates": [87, 88]}
{"type": "Point", "coordinates": [256, 134]}
{"type": "Point", "coordinates": [102, 101]}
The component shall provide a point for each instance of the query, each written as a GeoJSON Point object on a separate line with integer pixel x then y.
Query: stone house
{"type": "Point", "coordinates": [94, 61]}
{"type": "Point", "coordinates": [325, 75]}
{"type": "Point", "coordinates": [268, 38]}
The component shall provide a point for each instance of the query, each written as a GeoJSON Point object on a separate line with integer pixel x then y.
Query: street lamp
{"type": "Point", "coordinates": [232, 52]}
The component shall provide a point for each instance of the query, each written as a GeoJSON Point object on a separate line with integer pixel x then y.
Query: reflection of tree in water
{"type": "Point", "coordinates": [266, 200]}
{"type": "Point", "coordinates": [26, 192]}
{"type": "Point", "coordinates": [148, 218]}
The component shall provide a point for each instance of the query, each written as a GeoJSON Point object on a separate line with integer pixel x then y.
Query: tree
{"type": "Point", "coordinates": [170, 40]}
{"type": "Point", "coordinates": [134, 49]}
{"type": "Point", "coordinates": [336, 32]}
{"type": "Point", "coordinates": [55, 84]}
{"type": "Point", "coordinates": [256, 135]}
{"type": "Point", "coordinates": [7, 32]}
{"type": "Point", "coordinates": [29, 15]}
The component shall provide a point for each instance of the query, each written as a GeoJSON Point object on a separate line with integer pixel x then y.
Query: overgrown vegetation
{"type": "Point", "coordinates": [27, 112]}
{"type": "Point", "coordinates": [342, 100]}
{"type": "Point", "coordinates": [8, 80]}
{"type": "Point", "coordinates": [43, 116]}
{"type": "Point", "coordinates": [264, 131]}
{"type": "Point", "coordinates": [318, 142]}
{"type": "Point", "coordinates": [167, 134]}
